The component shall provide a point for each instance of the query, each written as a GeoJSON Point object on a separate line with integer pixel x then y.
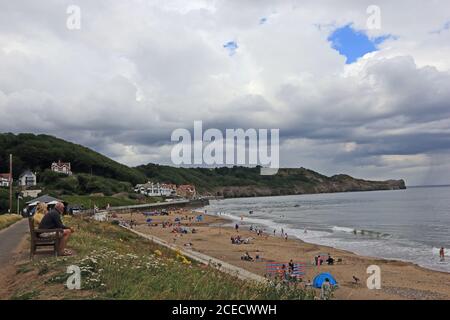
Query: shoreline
{"type": "Point", "coordinates": [230, 220]}
{"type": "Point", "coordinates": [218, 198]}
{"type": "Point", "coordinates": [400, 280]}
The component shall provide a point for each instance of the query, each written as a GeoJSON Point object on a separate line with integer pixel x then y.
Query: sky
{"type": "Point", "coordinates": [354, 44]}
{"type": "Point", "coordinates": [347, 97]}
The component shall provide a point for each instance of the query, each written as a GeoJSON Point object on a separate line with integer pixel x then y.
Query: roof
{"type": "Point", "coordinates": [4, 175]}
{"type": "Point", "coordinates": [61, 164]}
{"type": "Point", "coordinates": [186, 187]}
{"type": "Point", "coordinates": [26, 173]}
{"type": "Point", "coordinates": [45, 198]}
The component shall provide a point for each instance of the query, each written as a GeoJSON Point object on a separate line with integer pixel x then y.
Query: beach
{"type": "Point", "coordinates": [399, 280]}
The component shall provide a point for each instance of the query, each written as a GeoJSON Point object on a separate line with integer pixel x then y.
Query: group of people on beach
{"type": "Point", "coordinates": [259, 232]}
{"type": "Point", "coordinates": [248, 257]}
{"type": "Point", "coordinates": [238, 240]}
{"type": "Point", "coordinates": [320, 259]}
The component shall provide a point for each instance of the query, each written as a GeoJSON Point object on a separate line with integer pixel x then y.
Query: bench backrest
{"type": "Point", "coordinates": [31, 225]}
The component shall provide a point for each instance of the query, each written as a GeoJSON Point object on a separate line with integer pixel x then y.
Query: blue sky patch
{"type": "Point", "coordinates": [354, 44]}
{"type": "Point", "coordinates": [231, 46]}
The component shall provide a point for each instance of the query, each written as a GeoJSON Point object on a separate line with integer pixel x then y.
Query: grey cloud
{"type": "Point", "coordinates": [140, 69]}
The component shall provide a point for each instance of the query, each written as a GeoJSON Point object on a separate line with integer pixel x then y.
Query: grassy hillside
{"type": "Point", "coordinates": [117, 264]}
{"type": "Point", "coordinates": [243, 181]}
{"type": "Point", "coordinates": [95, 173]}
{"type": "Point", "coordinates": [37, 152]}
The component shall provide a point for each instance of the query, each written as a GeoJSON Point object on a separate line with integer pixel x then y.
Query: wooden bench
{"type": "Point", "coordinates": [49, 241]}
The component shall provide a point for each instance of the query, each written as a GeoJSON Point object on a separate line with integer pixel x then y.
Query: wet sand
{"type": "Point", "coordinates": [399, 280]}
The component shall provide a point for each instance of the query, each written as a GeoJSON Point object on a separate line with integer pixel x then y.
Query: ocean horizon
{"type": "Point", "coordinates": [407, 225]}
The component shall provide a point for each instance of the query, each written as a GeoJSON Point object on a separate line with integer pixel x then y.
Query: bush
{"type": "Point", "coordinates": [8, 219]}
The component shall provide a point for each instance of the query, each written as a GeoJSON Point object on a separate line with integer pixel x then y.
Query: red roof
{"type": "Point", "coordinates": [4, 175]}
{"type": "Point", "coordinates": [186, 187]}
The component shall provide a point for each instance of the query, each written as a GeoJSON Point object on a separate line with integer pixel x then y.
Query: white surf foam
{"type": "Point", "coordinates": [384, 247]}
{"type": "Point", "coordinates": [343, 229]}
{"type": "Point", "coordinates": [271, 225]}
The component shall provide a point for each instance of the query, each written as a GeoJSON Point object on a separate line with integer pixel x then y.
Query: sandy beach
{"type": "Point", "coordinates": [399, 280]}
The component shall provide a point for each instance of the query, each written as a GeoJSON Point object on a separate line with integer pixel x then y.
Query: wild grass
{"type": "Point", "coordinates": [103, 201]}
{"type": "Point", "coordinates": [8, 219]}
{"type": "Point", "coordinates": [99, 201]}
{"type": "Point", "coordinates": [117, 264]}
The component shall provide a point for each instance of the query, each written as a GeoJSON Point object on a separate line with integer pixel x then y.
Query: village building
{"type": "Point", "coordinates": [30, 193]}
{"type": "Point", "coordinates": [151, 189]}
{"type": "Point", "coordinates": [62, 167]}
{"type": "Point", "coordinates": [186, 191]}
{"type": "Point", "coordinates": [4, 179]}
{"type": "Point", "coordinates": [27, 179]}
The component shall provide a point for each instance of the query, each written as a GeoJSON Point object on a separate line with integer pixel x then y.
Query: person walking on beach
{"type": "Point", "coordinates": [285, 236]}
{"type": "Point", "coordinates": [236, 227]}
{"type": "Point", "coordinates": [442, 254]}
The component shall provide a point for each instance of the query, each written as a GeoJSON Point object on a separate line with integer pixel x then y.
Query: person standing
{"type": "Point", "coordinates": [325, 290]}
{"type": "Point", "coordinates": [442, 254]}
{"type": "Point", "coordinates": [291, 266]}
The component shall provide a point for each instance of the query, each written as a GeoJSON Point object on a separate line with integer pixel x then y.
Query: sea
{"type": "Point", "coordinates": [408, 225]}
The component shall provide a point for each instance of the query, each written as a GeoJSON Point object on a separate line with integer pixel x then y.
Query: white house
{"type": "Point", "coordinates": [62, 167]}
{"type": "Point", "coordinates": [30, 193]}
{"type": "Point", "coordinates": [27, 179]}
{"type": "Point", "coordinates": [4, 179]}
{"type": "Point", "coordinates": [151, 189]}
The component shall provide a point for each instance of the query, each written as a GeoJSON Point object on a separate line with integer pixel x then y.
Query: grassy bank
{"type": "Point", "coordinates": [99, 201]}
{"type": "Point", "coordinates": [116, 264]}
{"type": "Point", "coordinates": [103, 201]}
{"type": "Point", "coordinates": [8, 219]}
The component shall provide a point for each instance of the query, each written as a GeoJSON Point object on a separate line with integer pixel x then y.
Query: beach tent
{"type": "Point", "coordinates": [320, 278]}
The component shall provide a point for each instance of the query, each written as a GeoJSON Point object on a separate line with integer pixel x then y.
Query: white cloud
{"type": "Point", "coordinates": [139, 69]}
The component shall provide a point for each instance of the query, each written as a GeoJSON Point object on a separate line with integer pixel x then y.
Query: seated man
{"type": "Point", "coordinates": [52, 220]}
{"type": "Point", "coordinates": [330, 261]}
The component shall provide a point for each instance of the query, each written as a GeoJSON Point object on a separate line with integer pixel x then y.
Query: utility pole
{"type": "Point", "coordinates": [10, 184]}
